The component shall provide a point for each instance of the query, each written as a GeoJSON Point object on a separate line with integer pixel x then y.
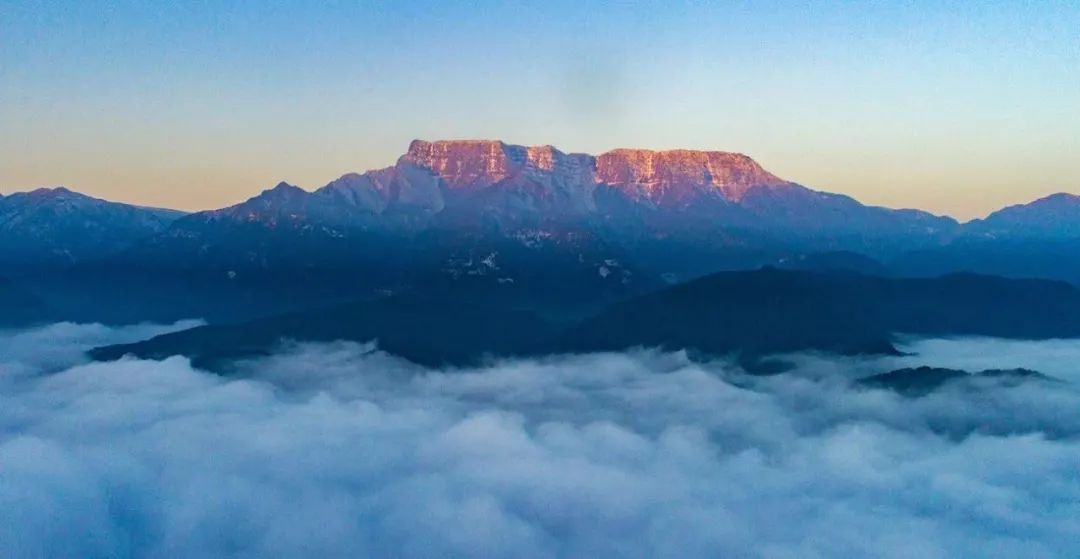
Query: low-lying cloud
{"type": "Point", "coordinates": [336, 450]}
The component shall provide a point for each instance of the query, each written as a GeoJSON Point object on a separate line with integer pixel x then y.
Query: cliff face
{"type": "Point", "coordinates": [466, 163]}
{"type": "Point", "coordinates": [640, 174]}
{"type": "Point", "coordinates": [680, 174]}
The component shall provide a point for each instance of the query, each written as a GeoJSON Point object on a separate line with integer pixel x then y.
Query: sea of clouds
{"type": "Point", "coordinates": [340, 450]}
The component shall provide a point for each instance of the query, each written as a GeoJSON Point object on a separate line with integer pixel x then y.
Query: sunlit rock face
{"type": "Point", "coordinates": [570, 180]}
{"type": "Point", "coordinates": [487, 179]}
{"type": "Point", "coordinates": [681, 174]}
{"type": "Point", "coordinates": [467, 163]}
{"type": "Point", "coordinates": [537, 178]}
{"type": "Point", "coordinates": [645, 173]}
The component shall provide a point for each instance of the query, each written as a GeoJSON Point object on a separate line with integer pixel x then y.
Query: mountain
{"type": "Point", "coordinates": [750, 314]}
{"type": "Point", "coordinates": [1039, 239]}
{"type": "Point", "coordinates": [489, 187]}
{"type": "Point", "coordinates": [565, 230]}
{"type": "Point", "coordinates": [562, 233]}
{"type": "Point", "coordinates": [1053, 217]}
{"type": "Point", "coordinates": [54, 227]}
{"type": "Point", "coordinates": [633, 194]}
{"type": "Point", "coordinates": [664, 192]}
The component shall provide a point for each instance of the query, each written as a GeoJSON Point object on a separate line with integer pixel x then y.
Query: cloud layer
{"type": "Point", "coordinates": [340, 450]}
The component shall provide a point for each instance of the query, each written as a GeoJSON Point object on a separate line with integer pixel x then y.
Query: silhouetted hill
{"type": "Point", "coordinates": [423, 330]}
{"type": "Point", "coordinates": [749, 314]}
{"type": "Point", "coordinates": [1057, 259]}
{"type": "Point", "coordinates": [921, 381]}
{"type": "Point", "coordinates": [770, 311]}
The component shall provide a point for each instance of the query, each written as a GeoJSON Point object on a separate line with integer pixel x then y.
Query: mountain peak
{"type": "Point", "coordinates": [54, 197]}
{"type": "Point", "coordinates": [1055, 215]}
{"type": "Point", "coordinates": [1059, 202]}
{"type": "Point", "coordinates": [285, 187]}
{"type": "Point", "coordinates": [71, 201]}
{"type": "Point", "coordinates": [283, 190]}
{"type": "Point", "coordinates": [421, 148]}
{"type": "Point", "coordinates": [461, 163]}
{"type": "Point", "coordinates": [50, 227]}
{"type": "Point", "coordinates": [55, 192]}
{"type": "Point", "coordinates": [1059, 198]}
{"type": "Point", "coordinates": [283, 202]}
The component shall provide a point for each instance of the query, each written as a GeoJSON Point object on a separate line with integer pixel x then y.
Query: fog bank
{"type": "Point", "coordinates": [333, 450]}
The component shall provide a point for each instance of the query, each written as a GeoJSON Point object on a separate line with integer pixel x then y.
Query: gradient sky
{"type": "Point", "coordinates": [953, 107]}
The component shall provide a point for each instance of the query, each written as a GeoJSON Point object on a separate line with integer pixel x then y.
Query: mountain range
{"type": "Point", "coordinates": [534, 228]}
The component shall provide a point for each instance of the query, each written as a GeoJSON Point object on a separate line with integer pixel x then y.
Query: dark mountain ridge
{"type": "Point", "coordinates": [922, 381]}
{"type": "Point", "coordinates": [775, 311]}
{"type": "Point", "coordinates": [748, 314]}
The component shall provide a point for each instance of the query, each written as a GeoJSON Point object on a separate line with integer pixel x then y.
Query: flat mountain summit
{"type": "Point", "coordinates": [646, 173]}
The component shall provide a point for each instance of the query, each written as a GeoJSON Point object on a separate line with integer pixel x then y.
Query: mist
{"type": "Point", "coordinates": [331, 450]}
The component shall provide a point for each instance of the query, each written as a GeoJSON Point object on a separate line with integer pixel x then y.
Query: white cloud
{"type": "Point", "coordinates": [340, 450]}
{"type": "Point", "coordinates": [1059, 358]}
{"type": "Point", "coordinates": [56, 346]}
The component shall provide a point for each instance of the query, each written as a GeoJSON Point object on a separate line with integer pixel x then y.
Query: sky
{"type": "Point", "coordinates": [953, 107]}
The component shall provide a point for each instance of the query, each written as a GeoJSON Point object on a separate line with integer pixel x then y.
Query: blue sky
{"type": "Point", "coordinates": [955, 107]}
